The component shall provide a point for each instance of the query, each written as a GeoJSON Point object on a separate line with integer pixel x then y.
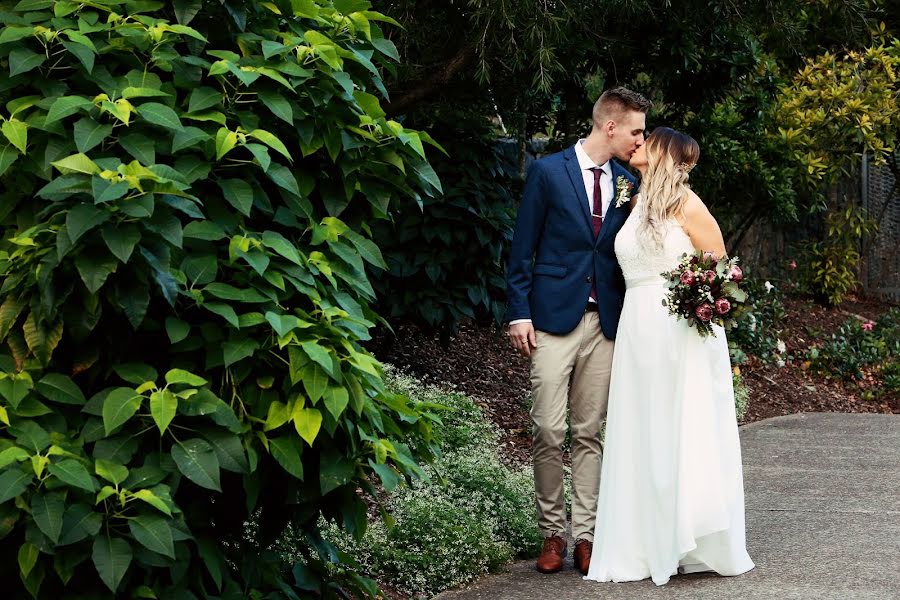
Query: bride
{"type": "Point", "coordinates": [671, 487]}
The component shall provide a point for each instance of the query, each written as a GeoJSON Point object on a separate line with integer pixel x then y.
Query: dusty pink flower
{"type": "Point", "coordinates": [687, 278]}
{"type": "Point", "coordinates": [737, 275]}
{"type": "Point", "coordinates": [704, 312]}
{"type": "Point", "coordinates": [792, 265]}
{"type": "Point", "coordinates": [723, 306]}
{"type": "Point", "coordinates": [710, 256]}
{"type": "Point", "coordinates": [868, 326]}
{"type": "Point", "coordinates": [710, 276]}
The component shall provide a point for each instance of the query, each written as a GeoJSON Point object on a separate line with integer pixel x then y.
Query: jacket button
{"type": "Point", "coordinates": [589, 279]}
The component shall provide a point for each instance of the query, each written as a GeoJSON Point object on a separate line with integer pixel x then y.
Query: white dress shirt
{"type": "Point", "coordinates": [587, 175]}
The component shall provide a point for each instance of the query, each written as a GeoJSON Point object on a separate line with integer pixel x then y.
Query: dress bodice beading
{"type": "Point", "coordinates": [641, 262]}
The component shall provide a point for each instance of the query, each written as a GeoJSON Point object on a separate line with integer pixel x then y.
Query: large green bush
{"type": "Point", "coordinates": [184, 288]}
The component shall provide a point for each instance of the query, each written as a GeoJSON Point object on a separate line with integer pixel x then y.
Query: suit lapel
{"type": "Point", "coordinates": [578, 184]}
{"type": "Point", "coordinates": [614, 216]}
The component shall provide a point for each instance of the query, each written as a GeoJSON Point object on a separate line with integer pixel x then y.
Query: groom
{"type": "Point", "coordinates": [564, 294]}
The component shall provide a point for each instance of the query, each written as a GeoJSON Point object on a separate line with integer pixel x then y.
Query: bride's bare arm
{"type": "Point", "coordinates": [701, 226]}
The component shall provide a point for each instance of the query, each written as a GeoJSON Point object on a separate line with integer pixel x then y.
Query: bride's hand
{"type": "Point", "coordinates": [522, 338]}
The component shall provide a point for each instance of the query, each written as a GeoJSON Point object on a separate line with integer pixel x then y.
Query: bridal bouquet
{"type": "Point", "coordinates": [705, 289]}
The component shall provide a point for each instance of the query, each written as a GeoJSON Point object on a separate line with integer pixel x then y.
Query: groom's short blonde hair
{"type": "Point", "coordinates": [615, 102]}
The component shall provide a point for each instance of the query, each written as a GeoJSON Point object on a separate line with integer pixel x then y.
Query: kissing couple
{"type": "Point", "coordinates": [664, 493]}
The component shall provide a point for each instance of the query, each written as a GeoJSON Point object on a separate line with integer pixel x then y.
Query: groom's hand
{"type": "Point", "coordinates": [521, 336]}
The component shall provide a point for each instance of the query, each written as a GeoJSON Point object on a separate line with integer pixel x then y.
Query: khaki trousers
{"type": "Point", "coordinates": [574, 370]}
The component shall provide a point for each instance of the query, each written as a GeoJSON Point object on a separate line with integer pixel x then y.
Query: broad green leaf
{"type": "Point", "coordinates": [307, 422]}
{"type": "Point", "coordinates": [121, 240]}
{"type": "Point", "coordinates": [60, 388]}
{"type": "Point", "coordinates": [369, 104]}
{"type": "Point", "coordinates": [282, 246]}
{"type": "Point", "coordinates": [111, 558]}
{"type": "Point", "coordinates": [136, 373]}
{"type": "Point", "coordinates": [320, 355]}
{"type": "Point", "coordinates": [204, 230]}
{"type": "Point", "coordinates": [83, 218]}
{"type": "Point", "coordinates": [84, 54]}
{"type": "Point", "coordinates": [225, 141]}
{"type": "Point", "coordinates": [271, 141]}
{"type": "Point", "coordinates": [30, 435]}
{"type": "Point", "coordinates": [14, 33]}
{"type": "Point", "coordinates": [238, 193]}
{"type": "Point", "coordinates": [261, 154]}
{"type": "Point", "coordinates": [143, 92]}
{"type": "Point", "coordinates": [279, 106]}
{"type": "Point", "coordinates": [79, 523]}
{"type": "Point", "coordinates": [279, 414]}
{"type": "Point", "coordinates": [228, 449]}
{"type": "Point", "coordinates": [315, 381]}
{"type": "Point", "coordinates": [235, 351]}
{"type": "Point", "coordinates": [77, 163]}
{"type": "Point", "coordinates": [188, 137]}
{"type": "Point", "coordinates": [287, 450]}
{"type": "Point", "coordinates": [95, 270]}
{"type": "Point", "coordinates": [188, 31]}
{"type": "Point", "coordinates": [177, 329]}
{"type": "Point", "coordinates": [48, 511]}
{"type": "Point", "coordinates": [42, 338]}
{"type": "Point", "coordinates": [9, 312]}
{"type": "Point", "coordinates": [336, 400]}
{"type": "Point", "coordinates": [13, 454]}
{"type": "Point", "coordinates": [153, 500]}
{"type": "Point", "coordinates": [64, 106]}
{"type": "Point", "coordinates": [27, 555]}
{"type": "Point", "coordinates": [175, 376]}
{"type": "Point", "coordinates": [110, 471]}
{"type": "Point", "coordinates": [8, 156]}
{"type": "Point", "coordinates": [335, 470]}
{"type": "Point", "coordinates": [284, 178]}
{"type": "Point", "coordinates": [160, 114]}
{"type": "Point", "coordinates": [13, 482]}
{"type": "Point", "coordinates": [73, 473]}
{"type": "Point", "coordinates": [197, 461]}
{"type": "Point", "coordinates": [15, 387]}
{"type": "Point", "coordinates": [284, 324]}
{"type": "Point", "coordinates": [88, 133]}
{"type": "Point", "coordinates": [118, 407]}
{"type": "Point", "coordinates": [163, 406]}
{"type": "Point", "coordinates": [22, 60]}
{"type": "Point", "coordinates": [186, 10]}
{"type": "Point", "coordinates": [107, 190]}
{"type": "Point", "coordinates": [141, 147]}
{"type": "Point", "coordinates": [203, 98]}
{"type": "Point", "coordinates": [16, 132]}
{"type": "Point", "coordinates": [223, 310]}
{"type": "Point", "coordinates": [229, 292]}
{"type": "Point", "coordinates": [153, 532]}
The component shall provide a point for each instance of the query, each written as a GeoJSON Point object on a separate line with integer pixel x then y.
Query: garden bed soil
{"type": "Point", "coordinates": [480, 363]}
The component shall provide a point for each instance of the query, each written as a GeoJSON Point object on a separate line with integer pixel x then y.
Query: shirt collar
{"type": "Point", "coordinates": [585, 163]}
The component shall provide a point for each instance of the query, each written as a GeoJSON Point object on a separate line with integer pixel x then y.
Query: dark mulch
{"type": "Point", "coordinates": [480, 363]}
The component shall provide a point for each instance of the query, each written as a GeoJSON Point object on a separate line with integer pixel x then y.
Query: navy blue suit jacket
{"type": "Point", "coordinates": [555, 257]}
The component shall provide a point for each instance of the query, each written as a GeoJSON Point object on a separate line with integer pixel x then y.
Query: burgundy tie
{"type": "Point", "coordinates": [596, 218]}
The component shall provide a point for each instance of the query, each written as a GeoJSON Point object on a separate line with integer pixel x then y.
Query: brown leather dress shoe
{"type": "Point", "coordinates": [551, 558]}
{"type": "Point", "coordinates": [583, 555]}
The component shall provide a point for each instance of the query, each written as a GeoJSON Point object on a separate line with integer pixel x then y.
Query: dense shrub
{"type": "Point", "coordinates": [444, 254]}
{"type": "Point", "coordinates": [183, 292]}
{"type": "Point", "coordinates": [741, 396]}
{"type": "Point", "coordinates": [757, 329]}
{"type": "Point", "coordinates": [854, 346]}
{"type": "Point", "coordinates": [473, 515]}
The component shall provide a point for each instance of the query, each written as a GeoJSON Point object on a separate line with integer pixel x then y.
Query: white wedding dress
{"type": "Point", "coordinates": [671, 488]}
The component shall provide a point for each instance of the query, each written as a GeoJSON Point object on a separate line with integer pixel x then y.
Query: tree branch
{"type": "Point", "coordinates": [418, 91]}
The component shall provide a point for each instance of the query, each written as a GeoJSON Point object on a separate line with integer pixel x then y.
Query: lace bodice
{"type": "Point", "coordinates": [641, 262]}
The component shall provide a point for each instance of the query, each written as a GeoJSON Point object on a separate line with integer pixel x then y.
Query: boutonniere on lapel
{"type": "Point", "coordinates": [623, 190]}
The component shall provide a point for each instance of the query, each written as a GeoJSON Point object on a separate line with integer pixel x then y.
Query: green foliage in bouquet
{"type": "Point", "coordinates": [184, 288]}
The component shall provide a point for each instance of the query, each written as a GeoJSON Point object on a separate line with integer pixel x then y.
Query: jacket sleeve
{"type": "Point", "coordinates": [526, 236]}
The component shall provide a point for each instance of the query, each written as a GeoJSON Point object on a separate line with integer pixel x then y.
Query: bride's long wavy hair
{"type": "Point", "coordinates": [670, 156]}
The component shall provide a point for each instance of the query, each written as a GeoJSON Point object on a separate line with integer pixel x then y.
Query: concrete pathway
{"type": "Point", "coordinates": [823, 522]}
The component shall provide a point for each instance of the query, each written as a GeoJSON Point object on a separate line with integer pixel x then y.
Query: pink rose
{"type": "Point", "coordinates": [792, 265]}
{"type": "Point", "coordinates": [736, 274]}
{"type": "Point", "coordinates": [868, 326]}
{"type": "Point", "coordinates": [710, 276]}
{"type": "Point", "coordinates": [687, 278]}
{"type": "Point", "coordinates": [710, 256]}
{"type": "Point", "coordinates": [704, 312]}
{"type": "Point", "coordinates": [723, 306]}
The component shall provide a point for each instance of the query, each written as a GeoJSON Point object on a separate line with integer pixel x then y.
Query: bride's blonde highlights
{"type": "Point", "coordinates": [670, 156]}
